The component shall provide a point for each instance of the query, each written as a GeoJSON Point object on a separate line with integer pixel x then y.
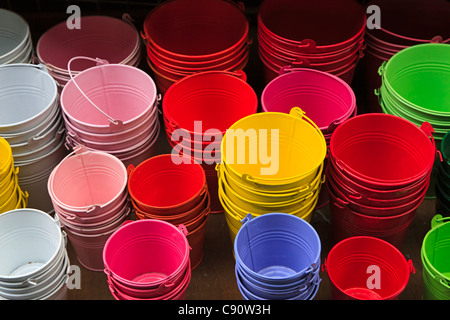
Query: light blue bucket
{"type": "Point", "coordinates": [277, 256]}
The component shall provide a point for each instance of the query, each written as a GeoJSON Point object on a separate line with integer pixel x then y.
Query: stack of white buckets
{"type": "Point", "coordinates": [31, 122]}
{"type": "Point", "coordinates": [34, 260]}
{"type": "Point", "coordinates": [15, 39]}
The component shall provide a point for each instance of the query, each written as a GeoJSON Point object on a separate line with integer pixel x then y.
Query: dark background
{"type": "Point", "coordinates": [214, 278]}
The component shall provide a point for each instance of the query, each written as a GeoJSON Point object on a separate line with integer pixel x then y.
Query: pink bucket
{"type": "Point", "coordinates": [116, 40]}
{"type": "Point", "coordinates": [145, 254]}
{"type": "Point", "coordinates": [108, 98]}
{"type": "Point", "coordinates": [88, 181]}
{"type": "Point", "coordinates": [326, 99]}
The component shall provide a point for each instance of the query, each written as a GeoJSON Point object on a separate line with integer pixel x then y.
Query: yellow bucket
{"type": "Point", "coordinates": [4, 184]}
{"type": "Point", "coordinates": [17, 200]}
{"type": "Point", "coordinates": [258, 195]}
{"type": "Point", "coordinates": [236, 214]}
{"type": "Point", "coordinates": [268, 206]}
{"type": "Point", "coordinates": [6, 158]}
{"type": "Point", "coordinates": [234, 218]}
{"type": "Point", "coordinates": [10, 187]}
{"type": "Point", "coordinates": [300, 144]}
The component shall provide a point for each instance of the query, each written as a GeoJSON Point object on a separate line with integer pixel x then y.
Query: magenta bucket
{"type": "Point", "coordinates": [147, 254]}
{"type": "Point", "coordinates": [115, 40]}
{"type": "Point", "coordinates": [325, 99]}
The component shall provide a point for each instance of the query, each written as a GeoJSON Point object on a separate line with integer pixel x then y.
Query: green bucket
{"type": "Point", "coordinates": [419, 77]}
{"type": "Point", "coordinates": [435, 254]}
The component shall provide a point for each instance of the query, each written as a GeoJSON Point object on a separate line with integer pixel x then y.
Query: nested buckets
{"type": "Point", "coordinates": [148, 260]}
{"type": "Point", "coordinates": [367, 268]}
{"type": "Point", "coordinates": [11, 195]}
{"type": "Point", "coordinates": [34, 261]}
{"type": "Point", "coordinates": [173, 189]}
{"type": "Point", "coordinates": [90, 197]}
{"type": "Point", "coordinates": [115, 40]}
{"type": "Point", "coordinates": [324, 35]}
{"type": "Point", "coordinates": [198, 110]}
{"type": "Point", "coordinates": [31, 122]}
{"type": "Point", "coordinates": [378, 173]}
{"type": "Point", "coordinates": [184, 37]}
{"type": "Point", "coordinates": [434, 254]}
{"type": "Point", "coordinates": [15, 39]}
{"type": "Point", "coordinates": [442, 182]}
{"type": "Point", "coordinates": [271, 162]}
{"type": "Point", "coordinates": [403, 24]}
{"type": "Point", "coordinates": [112, 108]}
{"type": "Point", "coordinates": [326, 99]}
{"type": "Point", "coordinates": [277, 258]}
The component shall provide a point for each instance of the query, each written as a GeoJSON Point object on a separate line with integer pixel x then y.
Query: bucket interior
{"type": "Point", "coordinates": [323, 101]}
{"type": "Point", "coordinates": [145, 251]}
{"type": "Point", "coordinates": [198, 27]}
{"type": "Point", "coordinates": [350, 262]}
{"type": "Point", "coordinates": [277, 246]}
{"type": "Point", "coordinates": [425, 67]}
{"type": "Point", "coordinates": [29, 241]}
{"type": "Point", "coordinates": [25, 93]}
{"type": "Point", "coordinates": [104, 37]}
{"type": "Point", "coordinates": [382, 147]}
{"type": "Point", "coordinates": [436, 249]}
{"type": "Point", "coordinates": [301, 148]}
{"type": "Point", "coordinates": [299, 20]}
{"type": "Point", "coordinates": [13, 31]}
{"type": "Point", "coordinates": [217, 100]}
{"type": "Point", "coordinates": [122, 92]}
{"type": "Point", "coordinates": [88, 179]}
{"type": "Point", "coordinates": [160, 182]}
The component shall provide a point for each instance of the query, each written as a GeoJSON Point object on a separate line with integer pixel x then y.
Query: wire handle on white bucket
{"type": "Point", "coordinates": [113, 122]}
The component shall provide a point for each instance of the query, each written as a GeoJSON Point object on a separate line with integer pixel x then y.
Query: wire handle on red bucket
{"type": "Point", "coordinates": [435, 39]}
{"type": "Point", "coordinates": [113, 122]}
{"type": "Point", "coordinates": [428, 129]}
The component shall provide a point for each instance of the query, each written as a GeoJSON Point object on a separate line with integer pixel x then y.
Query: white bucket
{"type": "Point", "coordinates": [14, 37]}
{"type": "Point", "coordinates": [30, 244]}
{"type": "Point", "coordinates": [28, 96]}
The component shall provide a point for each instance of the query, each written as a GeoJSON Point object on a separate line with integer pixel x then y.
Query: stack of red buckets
{"type": "Point", "coordinates": [325, 35]}
{"type": "Point", "coordinates": [171, 189]}
{"type": "Point", "coordinates": [378, 172]}
{"type": "Point", "coordinates": [184, 37]}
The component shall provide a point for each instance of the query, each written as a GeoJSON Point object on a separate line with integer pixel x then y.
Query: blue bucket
{"type": "Point", "coordinates": [260, 291]}
{"type": "Point", "coordinates": [277, 257]}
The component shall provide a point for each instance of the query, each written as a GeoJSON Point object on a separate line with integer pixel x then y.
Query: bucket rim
{"type": "Point", "coordinates": [408, 266]}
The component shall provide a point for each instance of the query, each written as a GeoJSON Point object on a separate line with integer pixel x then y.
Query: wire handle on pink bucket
{"type": "Point", "coordinates": [113, 122]}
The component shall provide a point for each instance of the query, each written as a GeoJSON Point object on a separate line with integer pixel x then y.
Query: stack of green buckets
{"type": "Point", "coordinates": [415, 85]}
{"type": "Point", "coordinates": [442, 186]}
{"type": "Point", "coordinates": [436, 267]}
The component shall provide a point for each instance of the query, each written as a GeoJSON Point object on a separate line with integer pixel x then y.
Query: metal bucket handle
{"type": "Point", "coordinates": [295, 112]}
{"type": "Point", "coordinates": [435, 39]}
{"type": "Point", "coordinates": [113, 122]}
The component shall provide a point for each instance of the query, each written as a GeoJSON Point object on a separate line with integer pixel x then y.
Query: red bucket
{"type": "Point", "coordinates": [197, 30]}
{"type": "Point", "coordinates": [161, 186]}
{"type": "Point", "coordinates": [382, 152]}
{"type": "Point", "coordinates": [314, 26]}
{"type": "Point", "coordinates": [377, 207]}
{"type": "Point", "coordinates": [353, 265]}
{"type": "Point", "coordinates": [348, 223]}
{"type": "Point", "coordinates": [216, 98]}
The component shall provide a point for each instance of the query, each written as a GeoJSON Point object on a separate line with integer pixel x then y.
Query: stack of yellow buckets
{"type": "Point", "coordinates": [11, 196]}
{"type": "Point", "coordinates": [271, 162]}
